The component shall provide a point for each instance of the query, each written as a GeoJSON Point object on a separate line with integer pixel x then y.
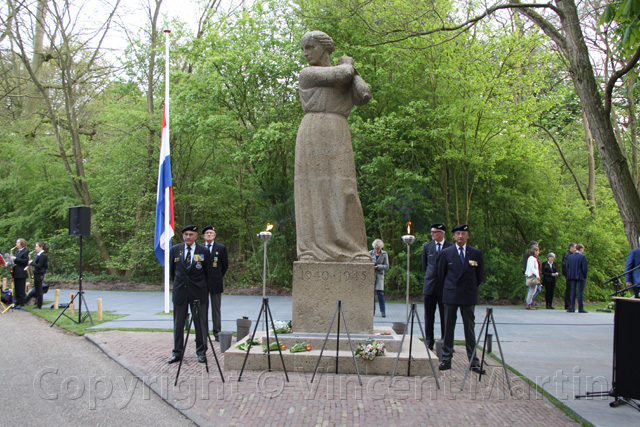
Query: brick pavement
{"type": "Point", "coordinates": [266, 397]}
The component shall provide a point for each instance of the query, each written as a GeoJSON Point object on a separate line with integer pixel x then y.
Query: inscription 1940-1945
{"type": "Point", "coordinates": [342, 276]}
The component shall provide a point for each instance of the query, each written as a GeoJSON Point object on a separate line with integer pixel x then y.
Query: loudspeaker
{"type": "Point", "coordinates": [79, 221]}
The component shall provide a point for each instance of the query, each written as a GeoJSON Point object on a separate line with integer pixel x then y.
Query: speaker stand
{"type": "Point", "coordinates": [80, 297]}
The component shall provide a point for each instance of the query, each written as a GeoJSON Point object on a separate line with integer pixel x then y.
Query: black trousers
{"type": "Point", "coordinates": [431, 302]}
{"type": "Point", "coordinates": [19, 287]}
{"type": "Point", "coordinates": [202, 329]}
{"type": "Point", "coordinates": [216, 317]}
{"type": "Point", "coordinates": [549, 288]}
{"type": "Point", "coordinates": [469, 321]}
{"type": "Point", "coordinates": [567, 296]}
{"type": "Point", "coordinates": [37, 283]}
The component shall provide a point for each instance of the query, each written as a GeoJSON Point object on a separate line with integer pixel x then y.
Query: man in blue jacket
{"type": "Point", "coordinates": [461, 268]}
{"type": "Point", "coordinates": [577, 278]}
{"type": "Point", "coordinates": [633, 277]}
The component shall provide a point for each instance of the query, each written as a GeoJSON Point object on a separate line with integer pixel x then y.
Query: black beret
{"type": "Point", "coordinates": [208, 227]}
{"type": "Point", "coordinates": [460, 227]}
{"type": "Point", "coordinates": [189, 228]}
{"type": "Point", "coordinates": [439, 226]}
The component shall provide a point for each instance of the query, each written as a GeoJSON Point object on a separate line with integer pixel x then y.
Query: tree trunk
{"type": "Point", "coordinates": [613, 160]}
{"type": "Point", "coordinates": [633, 127]}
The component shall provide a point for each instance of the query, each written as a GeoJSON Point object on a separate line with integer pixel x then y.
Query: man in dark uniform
{"type": "Point", "coordinates": [219, 264]}
{"type": "Point", "coordinates": [461, 268]}
{"type": "Point", "coordinates": [189, 270]}
{"type": "Point", "coordinates": [567, 291]}
{"type": "Point", "coordinates": [432, 288]}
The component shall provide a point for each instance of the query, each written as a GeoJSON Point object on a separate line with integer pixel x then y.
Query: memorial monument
{"type": "Point", "coordinates": [333, 261]}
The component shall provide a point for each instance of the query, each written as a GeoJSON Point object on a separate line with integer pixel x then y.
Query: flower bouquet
{"type": "Point", "coordinates": [370, 349]}
{"type": "Point", "coordinates": [282, 327]}
{"type": "Point", "coordinates": [245, 345]}
{"type": "Point", "coordinates": [273, 346]}
{"type": "Point", "coordinates": [300, 347]}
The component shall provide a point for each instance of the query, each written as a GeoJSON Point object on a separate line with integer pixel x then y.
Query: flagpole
{"type": "Point", "coordinates": [167, 207]}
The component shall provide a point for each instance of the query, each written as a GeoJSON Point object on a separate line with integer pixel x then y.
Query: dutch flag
{"type": "Point", "coordinates": [164, 200]}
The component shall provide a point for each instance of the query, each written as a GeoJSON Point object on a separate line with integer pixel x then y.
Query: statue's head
{"type": "Point", "coordinates": [319, 37]}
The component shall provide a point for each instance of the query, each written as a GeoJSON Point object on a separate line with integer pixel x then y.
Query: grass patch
{"type": "Point", "coordinates": [50, 315]}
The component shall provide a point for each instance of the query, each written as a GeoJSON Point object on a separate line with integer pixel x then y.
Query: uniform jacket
{"type": "Point", "coordinates": [432, 282]}
{"type": "Point", "coordinates": [189, 280]}
{"type": "Point", "coordinates": [40, 264]}
{"type": "Point", "coordinates": [219, 267]}
{"type": "Point", "coordinates": [577, 267]}
{"type": "Point", "coordinates": [633, 260]}
{"type": "Point", "coordinates": [460, 281]}
{"type": "Point", "coordinates": [383, 264]}
{"type": "Point", "coordinates": [21, 261]}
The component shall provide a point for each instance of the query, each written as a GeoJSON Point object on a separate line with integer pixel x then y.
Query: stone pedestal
{"type": "Point", "coordinates": [317, 286]}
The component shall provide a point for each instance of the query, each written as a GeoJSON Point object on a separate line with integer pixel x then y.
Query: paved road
{"type": "Point", "coordinates": [566, 353]}
{"type": "Point", "coordinates": [52, 378]}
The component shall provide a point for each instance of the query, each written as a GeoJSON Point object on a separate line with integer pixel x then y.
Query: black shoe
{"type": "Point", "coordinates": [174, 359]}
{"type": "Point", "coordinates": [478, 370]}
{"type": "Point", "coordinates": [551, 308]}
{"type": "Point", "coordinates": [384, 315]}
{"type": "Point", "coordinates": [445, 365]}
{"type": "Point", "coordinates": [202, 358]}
{"type": "Point", "coordinates": [217, 339]}
{"type": "Point", "coordinates": [582, 311]}
{"type": "Point", "coordinates": [571, 311]}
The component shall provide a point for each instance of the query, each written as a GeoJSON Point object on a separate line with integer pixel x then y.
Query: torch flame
{"type": "Point", "coordinates": [269, 227]}
{"type": "Point", "coordinates": [409, 227]}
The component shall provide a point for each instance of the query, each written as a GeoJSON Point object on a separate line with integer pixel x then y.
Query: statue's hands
{"type": "Point", "coordinates": [346, 60]}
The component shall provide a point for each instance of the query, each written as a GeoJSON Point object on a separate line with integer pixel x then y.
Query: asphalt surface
{"type": "Point", "coordinates": [49, 377]}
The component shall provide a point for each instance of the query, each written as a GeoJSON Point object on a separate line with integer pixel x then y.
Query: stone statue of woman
{"type": "Point", "coordinates": [329, 218]}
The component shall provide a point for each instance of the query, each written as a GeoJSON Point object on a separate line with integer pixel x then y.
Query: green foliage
{"type": "Point", "coordinates": [449, 137]}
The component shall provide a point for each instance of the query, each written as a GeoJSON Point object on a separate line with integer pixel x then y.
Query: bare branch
{"type": "Point", "coordinates": [564, 159]}
{"type": "Point", "coordinates": [617, 75]}
{"type": "Point", "coordinates": [470, 22]}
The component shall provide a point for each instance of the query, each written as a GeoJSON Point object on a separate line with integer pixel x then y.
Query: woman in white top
{"type": "Point", "coordinates": [532, 270]}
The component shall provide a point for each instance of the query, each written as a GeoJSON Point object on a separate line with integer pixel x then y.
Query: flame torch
{"type": "Point", "coordinates": [409, 240]}
{"type": "Point", "coordinates": [265, 236]}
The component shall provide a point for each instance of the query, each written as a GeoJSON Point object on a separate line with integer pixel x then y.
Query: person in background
{"type": "Point", "coordinates": [20, 274]}
{"type": "Point", "coordinates": [577, 278]}
{"type": "Point", "coordinates": [633, 277]}
{"type": "Point", "coordinates": [380, 264]}
{"type": "Point", "coordinates": [532, 270]}
{"type": "Point", "coordinates": [40, 265]}
{"type": "Point", "coordinates": [567, 291]}
{"type": "Point", "coordinates": [549, 274]}
{"type": "Point", "coordinates": [525, 258]}
{"type": "Point", "coordinates": [432, 287]}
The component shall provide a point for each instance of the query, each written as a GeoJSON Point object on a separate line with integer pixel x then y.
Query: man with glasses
{"type": "Point", "coordinates": [432, 287]}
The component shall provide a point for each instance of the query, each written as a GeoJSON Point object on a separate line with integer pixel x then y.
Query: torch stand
{"type": "Point", "coordinates": [413, 315]}
{"type": "Point", "coordinates": [338, 312]}
{"type": "Point", "coordinates": [269, 318]}
{"type": "Point", "coordinates": [488, 318]}
{"type": "Point", "coordinates": [205, 332]}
